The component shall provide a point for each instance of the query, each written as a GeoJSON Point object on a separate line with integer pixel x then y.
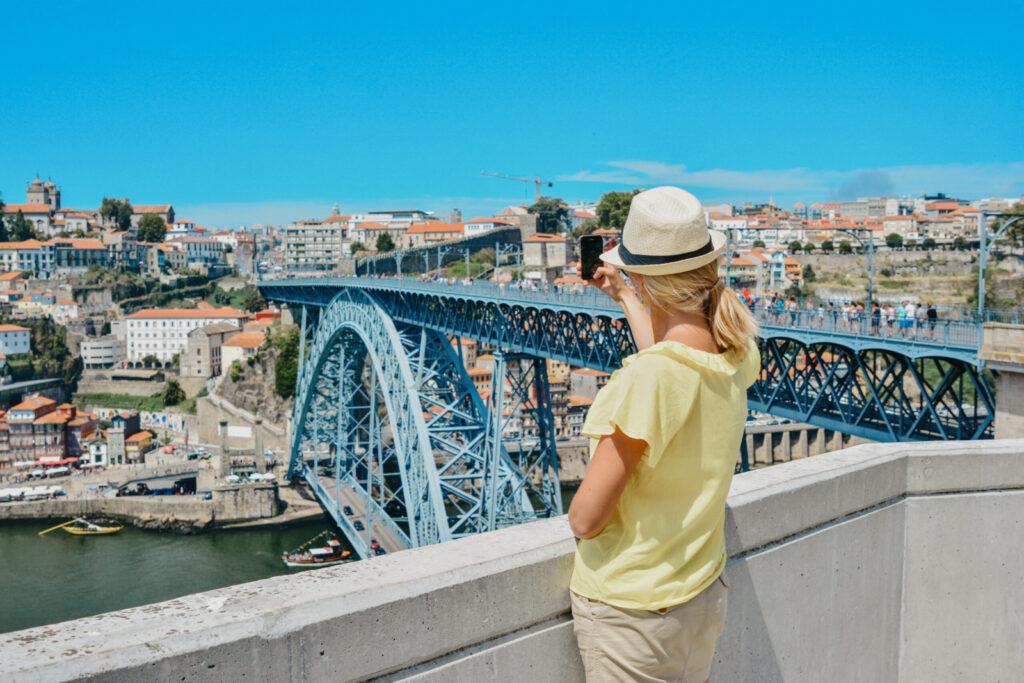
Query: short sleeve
{"type": "Point", "coordinates": [649, 400]}
{"type": "Point", "coordinates": [750, 367]}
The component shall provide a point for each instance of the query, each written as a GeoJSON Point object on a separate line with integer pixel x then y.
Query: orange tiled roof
{"type": "Point", "coordinates": [434, 226]}
{"type": "Point", "coordinates": [246, 340]}
{"type": "Point", "coordinates": [151, 208]}
{"type": "Point", "coordinates": [177, 313]}
{"type": "Point", "coordinates": [544, 237]}
{"type": "Point", "coordinates": [26, 208]}
{"type": "Point", "coordinates": [139, 436]}
{"type": "Point", "coordinates": [13, 328]}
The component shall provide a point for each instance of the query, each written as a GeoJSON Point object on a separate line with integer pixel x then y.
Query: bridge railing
{"type": "Point", "coordinates": [940, 333]}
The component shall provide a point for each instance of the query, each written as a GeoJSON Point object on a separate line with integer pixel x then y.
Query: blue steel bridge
{"type": "Point", "coordinates": [401, 448]}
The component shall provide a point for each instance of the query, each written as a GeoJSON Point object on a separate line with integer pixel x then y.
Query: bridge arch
{"type": "Point", "coordinates": [388, 425]}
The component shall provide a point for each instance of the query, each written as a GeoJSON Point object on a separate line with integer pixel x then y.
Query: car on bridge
{"type": "Point", "coordinates": [348, 510]}
{"type": "Point", "coordinates": [358, 525]}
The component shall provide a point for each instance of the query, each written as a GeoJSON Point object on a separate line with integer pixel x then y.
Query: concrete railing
{"type": "Point", "coordinates": [877, 563]}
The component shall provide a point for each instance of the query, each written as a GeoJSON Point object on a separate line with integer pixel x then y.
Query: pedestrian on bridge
{"type": "Point", "coordinates": [648, 592]}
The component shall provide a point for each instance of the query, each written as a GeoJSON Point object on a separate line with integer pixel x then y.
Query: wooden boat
{"type": "Point", "coordinates": [87, 528]}
{"type": "Point", "coordinates": [83, 527]}
{"type": "Point", "coordinates": [317, 557]}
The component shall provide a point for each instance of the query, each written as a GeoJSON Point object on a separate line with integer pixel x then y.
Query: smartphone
{"type": "Point", "coordinates": [591, 248]}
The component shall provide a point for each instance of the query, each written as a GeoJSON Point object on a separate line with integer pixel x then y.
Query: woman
{"type": "Point", "coordinates": [647, 590]}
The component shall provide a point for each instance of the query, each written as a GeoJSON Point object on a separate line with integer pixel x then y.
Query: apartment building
{"type": "Point", "coordinates": [14, 339]}
{"type": "Point", "coordinates": [163, 332]}
{"type": "Point", "coordinates": [312, 246]}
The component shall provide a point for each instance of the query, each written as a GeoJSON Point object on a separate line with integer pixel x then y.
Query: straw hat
{"type": "Point", "coordinates": [665, 233]}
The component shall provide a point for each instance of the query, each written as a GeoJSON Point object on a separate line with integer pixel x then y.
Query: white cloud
{"type": "Point", "coordinates": [970, 180]}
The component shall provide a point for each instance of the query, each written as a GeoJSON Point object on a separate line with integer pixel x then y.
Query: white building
{"type": "Point", "coordinates": [163, 332]}
{"type": "Point", "coordinates": [14, 339]}
{"type": "Point", "coordinates": [314, 246]}
{"type": "Point", "coordinates": [101, 352]}
{"type": "Point", "coordinates": [28, 256]}
{"type": "Point", "coordinates": [478, 226]}
{"type": "Point", "coordinates": [201, 249]}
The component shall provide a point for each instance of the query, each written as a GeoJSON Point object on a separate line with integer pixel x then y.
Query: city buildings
{"type": "Point", "coordinates": [40, 431]}
{"type": "Point", "coordinates": [123, 425]}
{"type": "Point", "coordinates": [14, 339]}
{"type": "Point", "coordinates": [202, 356]}
{"type": "Point", "coordinates": [240, 347]}
{"type": "Point", "coordinates": [164, 332]}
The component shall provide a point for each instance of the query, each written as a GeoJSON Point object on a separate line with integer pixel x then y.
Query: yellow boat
{"type": "Point", "coordinates": [83, 527]}
{"type": "Point", "coordinates": [90, 529]}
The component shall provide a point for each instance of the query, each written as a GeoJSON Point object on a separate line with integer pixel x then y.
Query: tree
{"type": "Point", "coordinates": [809, 247]}
{"type": "Point", "coordinates": [173, 393]}
{"type": "Point", "coordinates": [960, 243]}
{"type": "Point", "coordinates": [1015, 233]}
{"type": "Point", "coordinates": [150, 360]}
{"type": "Point", "coordinates": [152, 228]}
{"type": "Point", "coordinates": [827, 246]}
{"type": "Point", "coordinates": [759, 243]}
{"type": "Point", "coordinates": [117, 211]}
{"type": "Point", "coordinates": [928, 243]}
{"type": "Point", "coordinates": [845, 247]}
{"type": "Point", "coordinates": [809, 274]}
{"type": "Point", "coordinates": [385, 243]}
{"type": "Point", "coordinates": [585, 228]}
{"type": "Point", "coordinates": [357, 247]}
{"type": "Point", "coordinates": [613, 209]}
{"type": "Point", "coordinates": [911, 244]}
{"type": "Point", "coordinates": [894, 240]}
{"type": "Point", "coordinates": [286, 370]}
{"type": "Point", "coordinates": [236, 371]}
{"type": "Point", "coordinates": [23, 229]}
{"type": "Point", "coordinates": [795, 247]}
{"type": "Point", "coordinates": [253, 300]}
{"type": "Point", "coordinates": [551, 213]}
{"type": "Point", "coordinates": [4, 237]}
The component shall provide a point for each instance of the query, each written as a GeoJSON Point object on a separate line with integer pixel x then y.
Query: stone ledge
{"type": "Point", "coordinates": [480, 604]}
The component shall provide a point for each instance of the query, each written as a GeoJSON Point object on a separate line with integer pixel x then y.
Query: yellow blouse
{"type": "Point", "coordinates": [665, 541]}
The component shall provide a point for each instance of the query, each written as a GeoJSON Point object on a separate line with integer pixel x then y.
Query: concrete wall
{"type": "Point", "coordinates": [210, 409]}
{"type": "Point", "coordinates": [878, 563]}
{"type": "Point", "coordinates": [186, 514]}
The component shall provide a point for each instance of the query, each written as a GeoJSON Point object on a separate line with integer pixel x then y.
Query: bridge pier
{"type": "Point", "coordinates": [1003, 350]}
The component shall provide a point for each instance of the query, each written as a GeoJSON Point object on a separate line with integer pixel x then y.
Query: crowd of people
{"type": "Point", "coordinates": [905, 319]}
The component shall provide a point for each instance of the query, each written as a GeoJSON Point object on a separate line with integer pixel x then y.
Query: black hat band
{"type": "Point", "coordinates": [631, 259]}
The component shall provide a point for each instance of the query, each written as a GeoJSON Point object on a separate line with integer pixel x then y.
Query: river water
{"type": "Point", "coordinates": [56, 577]}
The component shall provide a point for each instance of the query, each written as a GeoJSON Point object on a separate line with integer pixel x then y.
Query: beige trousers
{"type": "Point", "coordinates": [628, 645]}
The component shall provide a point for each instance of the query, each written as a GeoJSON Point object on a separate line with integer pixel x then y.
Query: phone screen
{"type": "Point", "coordinates": [591, 247]}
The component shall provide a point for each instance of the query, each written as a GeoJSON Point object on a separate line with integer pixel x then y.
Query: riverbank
{"type": "Point", "coordinates": [228, 505]}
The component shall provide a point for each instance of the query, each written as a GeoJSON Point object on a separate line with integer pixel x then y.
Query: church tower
{"type": "Point", "coordinates": [38, 192]}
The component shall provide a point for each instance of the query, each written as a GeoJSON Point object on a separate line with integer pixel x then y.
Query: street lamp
{"type": "Point", "coordinates": [869, 247]}
{"type": "Point", "coordinates": [984, 245]}
{"type": "Point", "coordinates": [442, 250]}
{"type": "Point", "coordinates": [502, 248]}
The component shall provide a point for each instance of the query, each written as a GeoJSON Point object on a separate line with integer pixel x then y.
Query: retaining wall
{"type": "Point", "coordinates": [877, 563]}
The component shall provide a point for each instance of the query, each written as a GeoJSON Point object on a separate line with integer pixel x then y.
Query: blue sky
{"type": "Point", "coordinates": [238, 113]}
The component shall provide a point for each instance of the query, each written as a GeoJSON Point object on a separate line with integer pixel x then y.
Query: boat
{"type": "Point", "coordinates": [83, 527]}
{"type": "Point", "coordinates": [317, 557]}
{"type": "Point", "coordinates": [86, 528]}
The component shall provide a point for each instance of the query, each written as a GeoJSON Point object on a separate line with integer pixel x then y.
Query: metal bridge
{"type": "Point", "coordinates": [389, 430]}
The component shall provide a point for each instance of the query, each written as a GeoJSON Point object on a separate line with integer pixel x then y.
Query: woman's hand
{"type": "Point", "coordinates": [609, 280]}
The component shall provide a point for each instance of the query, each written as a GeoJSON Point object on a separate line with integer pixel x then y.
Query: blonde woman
{"type": "Point", "coordinates": [648, 594]}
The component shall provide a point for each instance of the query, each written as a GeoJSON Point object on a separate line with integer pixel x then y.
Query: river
{"type": "Point", "coordinates": [59, 576]}
{"type": "Point", "coordinates": [56, 577]}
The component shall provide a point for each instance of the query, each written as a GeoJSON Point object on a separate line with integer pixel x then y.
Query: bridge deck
{"type": "Point", "coordinates": [356, 501]}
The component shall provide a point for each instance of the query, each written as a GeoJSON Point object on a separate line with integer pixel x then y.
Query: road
{"type": "Point", "coordinates": [373, 531]}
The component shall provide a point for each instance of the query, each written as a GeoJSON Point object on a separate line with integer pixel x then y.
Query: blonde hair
{"type": "Point", "coordinates": [701, 291]}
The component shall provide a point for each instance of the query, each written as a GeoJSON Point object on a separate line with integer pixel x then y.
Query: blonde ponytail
{"type": "Point", "coordinates": [701, 291]}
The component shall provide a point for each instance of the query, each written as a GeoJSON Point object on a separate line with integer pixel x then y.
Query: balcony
{"type": "Point", "coordinates": [877, 563]}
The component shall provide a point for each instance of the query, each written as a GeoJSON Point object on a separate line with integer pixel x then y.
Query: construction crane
{"type": "Point", "coordinates": [536, 181]}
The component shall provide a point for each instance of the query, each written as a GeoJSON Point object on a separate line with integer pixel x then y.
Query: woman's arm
{"type": "Point", "coordinates": [615, 458]}
{"type": "Point", "coordinates": [609, 280]}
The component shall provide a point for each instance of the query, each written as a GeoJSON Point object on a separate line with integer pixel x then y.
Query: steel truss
{"type": "Point", "coordinates": [387, 421]}
{"type": "Point", "coordinates": [873, 393]}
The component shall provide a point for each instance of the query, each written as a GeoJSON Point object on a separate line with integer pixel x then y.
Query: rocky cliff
{"type": "Point", "coordinates": [253, 390]}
